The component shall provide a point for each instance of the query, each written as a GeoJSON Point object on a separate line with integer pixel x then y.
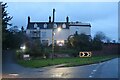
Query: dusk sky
{"type": "Point", "coordinates": [103, 16]}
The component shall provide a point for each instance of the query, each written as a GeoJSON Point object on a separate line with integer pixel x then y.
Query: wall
{"type": "Point", "coordinates": [46, 34]}
{"type": "Point", "coordinates": [108, 49]}
{"type": "Point", "coordinates": [63, 34]}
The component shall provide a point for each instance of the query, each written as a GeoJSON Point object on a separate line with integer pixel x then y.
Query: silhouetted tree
{"type": "Point", "coordinates": [5, 21]}
{"type": "Point", "coordinates": [98, 41]}
{"type": "Point", "coordinates": [80, 42]}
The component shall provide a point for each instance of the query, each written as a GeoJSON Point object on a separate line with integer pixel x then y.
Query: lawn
{"type": "Point", "coordinates": [74, 61]}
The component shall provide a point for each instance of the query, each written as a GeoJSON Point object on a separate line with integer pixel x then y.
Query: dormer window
{"type": "Point", "coordinates": [64, 26]}
{"type": "Point", "coordinates": [45, 25]}
{"type": "Point", "coordinates": [35, 25]}
{"type": "Point", "coordinates": [55, 25]}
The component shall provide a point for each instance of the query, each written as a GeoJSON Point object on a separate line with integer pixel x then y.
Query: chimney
{"type": "Point", "coordinates": [67, 19]}
{"type": "Point", "coordinates": [53, 15]}
{"type": "Point", "coordinates": [49, 18]}
{"type": "Point", "coordinates": [28, 19]}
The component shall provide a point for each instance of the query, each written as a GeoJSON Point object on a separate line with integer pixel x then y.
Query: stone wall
{"type": "Point", "coordinates": [108, 49]}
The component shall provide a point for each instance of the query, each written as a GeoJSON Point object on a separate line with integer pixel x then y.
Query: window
{"type": "Point", "coordinates": [45, 42]}
{"type": "Point", "coordinates": [35, 34]}
{"type": "Point", "coordinates": [38, 28]}
{"type": "Point", "coordinates": [60, 42]}
{"type": "Point", "coordinates": [45, 25]}
{"type": "Point", "coordinates": [35, 25]}
{"type": "Point", "coordinates": [43, 34]}
{"type": "Point", "coordinates": [55, 25]}
{"type": "Point", "coordinates": [63, 26]}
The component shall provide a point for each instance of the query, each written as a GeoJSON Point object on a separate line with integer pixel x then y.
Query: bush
{"type": "Point", "coordinates": [35, 52]}
{"type": "Point", "coordinates": [19, 54]}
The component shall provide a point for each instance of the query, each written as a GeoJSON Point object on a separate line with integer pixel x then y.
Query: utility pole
{"type": "Point", "coordinates": [53, 34]}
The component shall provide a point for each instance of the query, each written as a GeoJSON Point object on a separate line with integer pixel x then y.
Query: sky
{"type": "Point", "coordinates": [103, 16]}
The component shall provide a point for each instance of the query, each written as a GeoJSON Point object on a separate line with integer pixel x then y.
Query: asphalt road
{"type": "Point", "coordinates": [108, 69]}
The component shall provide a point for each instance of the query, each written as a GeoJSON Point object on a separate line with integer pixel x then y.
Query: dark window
{"type": "Point", "coordinates": [45, 42]}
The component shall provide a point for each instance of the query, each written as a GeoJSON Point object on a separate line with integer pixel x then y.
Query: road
{"type": "Point", "coordinates": [108, 69]}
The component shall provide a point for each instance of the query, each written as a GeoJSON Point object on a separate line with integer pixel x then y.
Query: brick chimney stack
{"type": "Point", "coordinates": [67, 19]}
{"type": "Point", "coordinates": [28, 19]}
{"type": "Point", "coordinates": [49, 18]}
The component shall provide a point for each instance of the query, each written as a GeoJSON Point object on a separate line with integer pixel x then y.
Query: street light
{"type": "Point", "coordinates": [53, 34]}
{"type": "Point", "coordinates": [59, 29]}
{"type": "Point", "coordinates": [23, 48]}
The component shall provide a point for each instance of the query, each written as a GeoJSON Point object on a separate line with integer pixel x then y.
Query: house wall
{"type": "Point", "coordinates": [60, 36]}
{"type": "Point", "coordinates": [46, 34]}
{"type": "Point", "coordinates": [29, 33]}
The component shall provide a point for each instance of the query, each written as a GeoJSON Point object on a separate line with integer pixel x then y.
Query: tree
{"type": "Point", "coordinates": [80, 42]}
{"type": "Point", "coordinates": [5, 21]}
{"type": "Point", "coordinates": [97, 41]}
{"type": "Point", "coordinates": [108, 40]}
{"type": "Point", "coordinates": [100, 36]}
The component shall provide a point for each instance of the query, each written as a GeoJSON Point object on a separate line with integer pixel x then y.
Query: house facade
{"type": "Point", "coordinates": [62, 30]}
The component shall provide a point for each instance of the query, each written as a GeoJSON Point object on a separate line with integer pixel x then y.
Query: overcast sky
{"type": "Point", "coordinates": [103, 16]}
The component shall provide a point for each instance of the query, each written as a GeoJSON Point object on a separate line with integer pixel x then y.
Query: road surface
{"type": "Point", "coordinates": [108, 69]}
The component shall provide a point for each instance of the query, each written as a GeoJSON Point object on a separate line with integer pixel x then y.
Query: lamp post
{"type": "Point", "coordinates": [53, 33]}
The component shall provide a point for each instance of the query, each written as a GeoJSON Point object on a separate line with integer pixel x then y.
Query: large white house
{"type": "Point", "coordinates": [62, 30]}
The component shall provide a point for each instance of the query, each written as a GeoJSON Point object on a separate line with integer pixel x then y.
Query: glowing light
{"type": "Point", "coordinates": [23, 47]}
{"type": "Point", "coordinates": [60, 43]}
{"type": "Point", "coordinates": [59, 29]}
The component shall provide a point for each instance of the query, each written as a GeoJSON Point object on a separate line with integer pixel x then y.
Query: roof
{"type": "Point", "coordinates": [48, 25]}
{"type": "Point", "coordinates": [79, 24]}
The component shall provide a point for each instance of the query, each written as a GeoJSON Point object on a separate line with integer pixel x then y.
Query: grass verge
{"type": "Point", "coordinates": [75, 61]}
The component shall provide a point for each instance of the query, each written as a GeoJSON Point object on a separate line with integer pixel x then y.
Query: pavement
{"type": "Point", "coordinates": [11, 69]}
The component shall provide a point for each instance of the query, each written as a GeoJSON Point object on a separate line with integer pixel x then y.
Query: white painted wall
{"type": "Point", "coordinates": [30, 34]}
{"type": "Point", "coordinates": [46, 34]}
{"type": "Point", "coordinates": [61, 35]}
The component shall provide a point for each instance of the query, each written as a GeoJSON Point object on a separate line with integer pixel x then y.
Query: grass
{"type": "Point", "coordinates": [75, 61]}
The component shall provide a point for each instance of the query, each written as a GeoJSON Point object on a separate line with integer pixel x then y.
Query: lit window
{"type": "Point", "coordinates": [64, 26]}
{"type": "Point", "coordinates": [60, 42]}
